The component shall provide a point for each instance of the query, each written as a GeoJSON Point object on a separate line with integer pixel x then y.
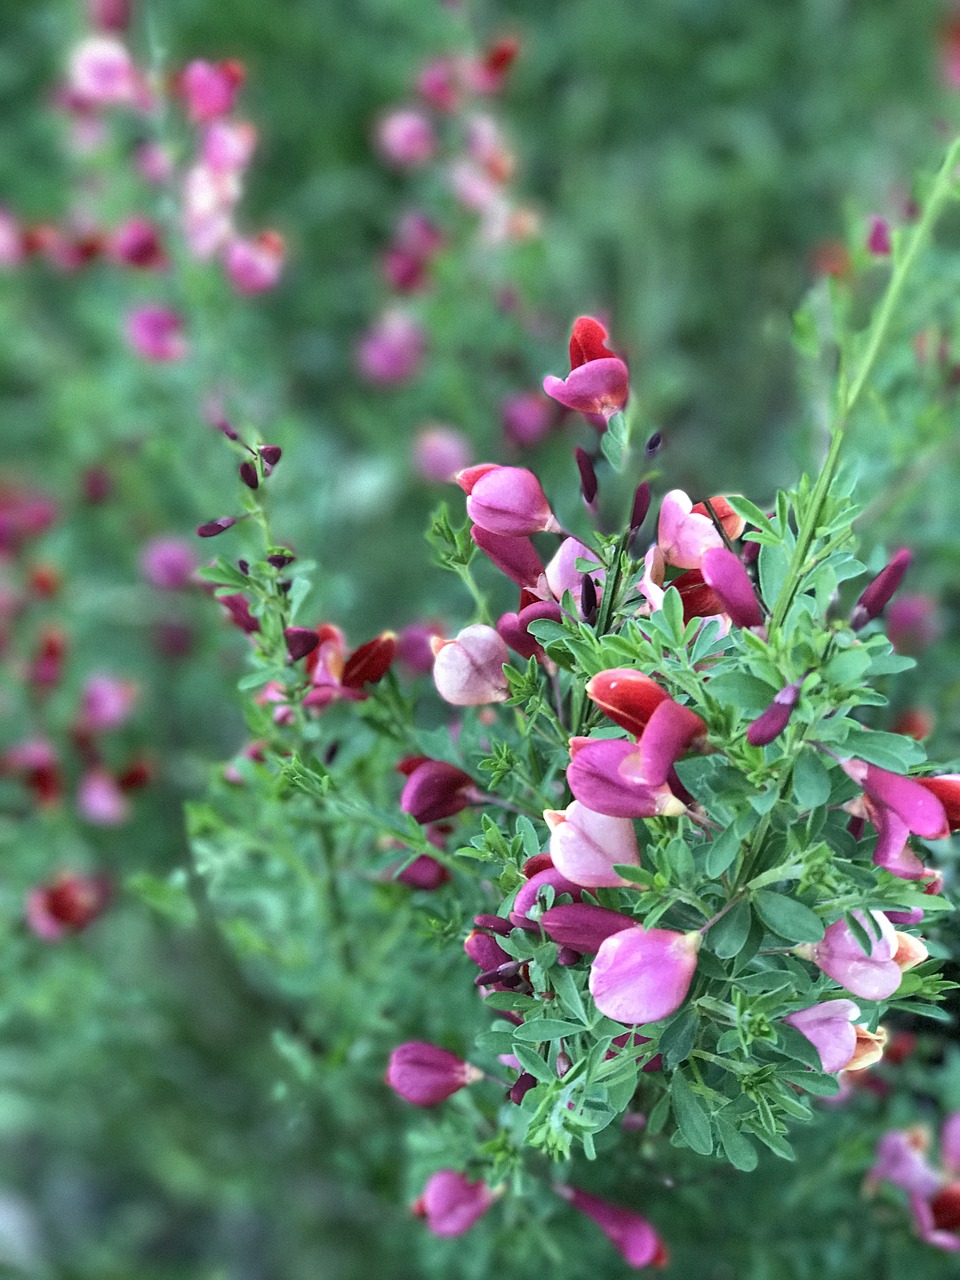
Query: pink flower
{"type": "Point", "coordinates": [913, 623]}
{"type": "Point", "coordinates": [425, 1074]}
{"type": "Point", "coordinates": [468, 671]}
{"type": "Point", "coordinates": [725, 574]}
{"type": "Point", "coordinates": [209, 197]}
{"type": "Point", "coordinates": [106, 703]}
{"type": "Point", "coordinates": [392, 350]}
{"type": "Point", "coordinates": [598, 382]}
{"type": "Point", "coordinates": [156, 333]}
{"type": "Point", "coordinates": [451, 1203]}
{"type": "Point", "coordinates": [168, 563]}
{"type": "Point", "coordinates": [210, 88]}
{"type": "Point", "coordinates": [100, 799]}
{"type": "Point", "coordinates": [873, 976]}
{"type": "Point", "coordinates": [669, 732]}
{"type": "Point", "coordinates": [527, 418]}
{"type": "Point", "coordinates": [423, 873]}
{"type": "Point", "coordinates": [594, 777]}
{"type": "Point", "coordinates": [136, 243]}
{"type": "Point", "coordinates": [255, 265]}
{"type": "Point", "coordinates": [506, 500]}
{"type": "Point", "coordinates": [563, 575]}
{"type": "Point", "coordinates": [12, 248]}
{"type": "Point", "coordinates": [101, 73]}
{"type": "Point", "coordinates": [227, 147]}
{"type": "Point", "coordinates": [153, 163]}
{"type": "Point", "coordinates": [516, 557]}
{"type": "Point", "coordinates": [406, 138]}
{"type": "Point", "coordinates": [627, 696]}
{"type": "Point", "coordinates": [438, 84]}
{"type": "Point", "coordinates": [684, 536]}
{"type": "Point", "coordinates": [514, 627]}
{"type": "Point", "coordinates": [634, 1238]}
{"type": "Point", "coordinates": [897, 806]}
{"type": "Point", "coordinates": [528, 895]}
{"type": "Point", "coordinates": [901, 1161]}
{"type": "Point", "coordinates": [878, 237]}
{"type": "Point", "coordinates": [828, 1027]}
{"type": "Point", "coordinates": [435, 790]}
{"type": "Point", "coordinates": [585, 845]}
{"type": "Point", "coordinates": [413, 646]}
{"type": "Point", "coordinates": [642, 975]}
{"type": "Point", "coordinates": [66, 904]}
{"type": "Point", "coordinates": [439, 452]}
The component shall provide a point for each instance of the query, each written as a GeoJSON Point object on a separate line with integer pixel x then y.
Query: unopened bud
{"type": "Point", "coordinates": [654, 444]}
{"type": "Point", "coordinates": [880, 591]}
{"type": "Point", "coordinates": [774, 720]}
{"type": "Point", "coordinates": [214, 527]}
{"type": "Point", "coordinates": [588, 600]}
{"type": "Point", "coordinates": [300, 642]}
{"type": "Point", "coordinates": [224, 426]}
{"type": "Point", "coordinates": [641, 505]}
{"type": "Point", "coordinates": [281, 560]}
{"type": "Point", "coordinates": [588, 477]}
{"type": "Point", "coordinates": [248, 474]}
{"type": "Point", "coordinates": [271, 454]}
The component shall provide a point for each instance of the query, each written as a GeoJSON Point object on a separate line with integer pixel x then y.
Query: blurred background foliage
{"type": "Point", "coordinates": [163, 1110]}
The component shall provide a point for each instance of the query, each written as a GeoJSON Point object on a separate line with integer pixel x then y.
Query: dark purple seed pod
{"type": "Point", "coordinates": [654, 444]}
{"type": "Point", "coordinates": [211, 529]}
{"type": "Point", "coordinates": [224, 426]}
{"type": "Point", "coordinates": [248, 474]}
{"type": "Point", "coordinates": [244, 567]}
{"type": "Point", "coordinates": [641, 505]}
{"type": "Point", "coordinates": [588, 477]}
{"type": "Point", "coordinates": [522, 1085]}
{"type": "Point", "coordinates": [300, 642]}
{"type": "Point", "coordinates": [588, 599]}
{"type": "Point", "coordinates": [271, 454]}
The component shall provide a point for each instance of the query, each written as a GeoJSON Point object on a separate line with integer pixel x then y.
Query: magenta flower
{"type": "Point", "coordinates": [255, 265]}
{"type": "Point", "coordinates": [406, 138]}
{"type": "Point", "coordinates": [684, 536]}
{"type": "Point", "coordinates": [423, 873]}
{"type": "Point", "coordinates": [669, 732]}
{"type": "Point", "coordinates": [156, 333]}
{"type": "Point", "coordinates": [585, 845]}
{"type": "Point", "coordinates": [598, 382]}
{"type": "Point", "coordinates": [451, 1203]}
{"type": "Point", "coordinates": [897, 806]}
{"type": "Point", "coordinates": [468, 671]}
{"type": "Point", "coordinates": [582, 926]}
{"type": "Point", "coordinates": [642, 975]}
{"type": "Point", "coordinates": [100, 799]}
{"type": "Point", "coordinates": [66, 904]}
{"type": "Point", "coordinates": [829, 1028]}
{"type": "Point", "coordinates": [435, 790]}
{"type": "Point", "coordinates": [514, 627]}
{"type": "Point", "coordinates": [725, 574]}
{"type": "Point", "coordinates": [873, 976]}
{"type": "Point", "coordinates": [634, 1238]}
{"type": "Point", "coordinates": [772, 722]}
{"type": "Point", "coordinates": [413, 646]}
{"type": "Point", "coordinates": [950, 1143]}
{"type": "Point", "coordinates": [106, 703]}
{"type": "Point", "coordinates": [136, 243]}
{"type": "Point", "coordinates": [627, 696]}
{"type": "Point", "coordinates": [506, 500]}
{"type": "Point", "coordinates": [101, 73]}
{"type": "Point", "coordinates": [880, 591]}
{"type": "Point", "coordinates": [901, 1160]}
{"type": "Point", "coordinates": [425, 1074]}
{"type": "Point", "coordinates": [210, 88]}
{"type": "Point", "coordinates": [562, 573]}
{"type": "Point", "coordinates": [878, 237]}
{"type": "Point", "coordinates": [392, 350]}
{"type": "Point", "coordinates": [516, 557]}
{"type": "Point", "coordinates": [594, 777]}
{"type": "Point", "coordinates": [168, 563]}
{"type": "Point", "coordinates": [528, 893]}
{"type": "Point", "coordinates": [227, 148]}
{"type": "Point", "coordinates": [527, 418]}
{"type": "Point", "coordinates": [439, 452]}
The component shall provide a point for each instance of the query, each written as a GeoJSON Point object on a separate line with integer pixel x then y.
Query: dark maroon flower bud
{"type": "Point", "coordinates": [97, 485]}
{"type": "Point", "coordinates": [239, 609]}
{"type": "Point", "coordinates": [641, 505]}
{"type": "Point", "coordinates": [424, 873]}
{"type": "Point", "coordinates": [496, 924]}
{"type": "Point", "coordinates": [878, 594]}
{"type": "Point", "coordinates": [371, 662]}
{"type": "Point", "coordinates": [566, 956]}
{"type": "Point", "coordinates": [774, 720]}
{"type": "Point", "coordinates": [248, 474]}
{"type": "Point", "coordinates": [284, 585]}
{"type": "Point", "coordinates": [514, 627]}
{"type": "Point", "coordinates": [654, 444]}
{"type": "Point", "coordinates": [485, 952]}
{"type": "Point", "coordinates": [509, 974]}
{"type": "Point", "coordinates": [588, 477]}
{"type": "Point", "coordinates": [300, 642]}
{"type": "Point", "coordinates": [281, 560]}
{"type": "Point", "coordinates": [172, 639]}
{"type": "Point", "coordinates": [425, 1074]}
{"type": "Point", "coordinates": [244, 567]}
{"type": "Point", "coordinates": [521, 1086]}
{"type": "Point", "coordinates": [271, 454]}
{"type": "Point", "coordinates": [516, 557]}
{"type": "Point", "coordinates": [582, 926]}
{"type": "Point", "coordinates": [435, 790]}
{"type": "Point", "coordinates": [750, 553]}
{"type": "Point", "coordinates": [588, 600]}
{"type": "Point", "coordinates": [214, 527]}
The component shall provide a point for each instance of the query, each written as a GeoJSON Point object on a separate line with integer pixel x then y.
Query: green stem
{"type": "Point", "coordinates": [850, 395]}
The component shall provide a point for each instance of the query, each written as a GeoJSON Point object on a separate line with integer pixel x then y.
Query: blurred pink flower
{"type": "Point", "coordinates": [255, 265]}
{"type": "Point", "coordinates": [439, 452]}
{"type": "Point", "coordinates": [406, 137]}
{"type": "Point", "coordinates": [392, 350]}
{"type": "Point", "coordinates": [156, 333]}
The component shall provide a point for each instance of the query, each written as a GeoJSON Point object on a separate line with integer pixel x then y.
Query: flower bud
{"type": "Point", "coordinates": [300, 642]}
{"type": "Point", "coordinates": [468, 671]}
{"type": "Point", "coordinates": [68, 903]}
{"type": "Point", "coordinates": [435, 790]}
{"type": "Point", "coordinates": [514, 627]}
{"type": "Point", "coordinates": [168, 563]}
{"type": "Point", "coordinates": [425, 1074]}
{"type": "Point", "coordinates": [156, 333]}
{"type": "Point", "coordinates": [634, 1238]}
{"type": "Point", "coordinates": [880, 591]}
{"type": "Point", "coordinates": [248, 474]}
{"type": "Point", "coordinates": [641, 505]}
{"type": "Point", "coordinates": [516, 557]}
{"type": "Point", "coordinates": [406, 138]}
{"type": "Point", "coordinates": [627, 696]}
{"type": "Point", "coordinates": [215, 527]}
{"type": "Point", "coordinates": [451, 1203]}
{"type": "Point", "coordinates": [210, 88]}
{"type": "Point", "coordinates": [828, 1027]}
{"type": "Point", "coordinates": [528, 894]}
{"type": "Point", "coordinates": [582, 926]}
{"type": "Point", "coordinates": [588, 476]}
{"type": "Point", "coordinates": [772, 722]}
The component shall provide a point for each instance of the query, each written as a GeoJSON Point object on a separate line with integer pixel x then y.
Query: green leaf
{"type": "Point", "coordinates": [748, 510]}
{"type": "Point", "coordinates": [787, 917]}
{"type": "Point", "coordinates": [738, 1149]}
{"type": "Point", "coordinates": [527, 833]}
{"type": "Point", "coordinates": [692, 1119]}
{"type": "Point", "coordinates": [568, 993]}
{"type": "Point", "coordinates": [495, 1041]}
{"type": "Point", "coordinates": [672, 612]}
{"type": "Point", "coordinates": [532, 1062]}
{"type": "Point", "coordinates": [811, 782]}
{"type": "Point", "coordinates": [736, 689]}
{"type": "Point", "coordinates": [727, 937]}
{"type": "Point", "coordinates": [538, 1029]}
{"type": "Point", "coordinates": [796, 1045]}
{"type": "Point", "coordinates": [723, 851]}
{"type": "Point", "coordinates": [679, 1037]}
{"type": "Point", "coordinates": [613, 442]}
{"type": "Point", "coordinates": [815, 1082]}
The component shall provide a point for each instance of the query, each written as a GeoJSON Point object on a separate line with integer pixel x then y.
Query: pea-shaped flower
{"type": "Point", "coordinates": [468, 671]}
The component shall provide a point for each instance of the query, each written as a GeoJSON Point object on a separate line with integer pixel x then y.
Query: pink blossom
{"type": "Point", "coordinates": [136, 243]}
{"type": "Point", "coordinates": [585, 845]}
{"type": "Point", "coordinates": [474, 188]}
{"type": "Point", "coordinates": [227, 146]}
{"type": "Point", "coordinates": [595, 779]}
{"type": "Point", "coordinates": [439, 452]}
{"type": "Point", "coordinates": [168, 563]}
{"type": "Point", "coordinates": [725, 574]}
{"type": "Point", "coordinates": [66, 904]}
{"type": "Point", "coordinates": [210, 89]}
{"type": "Point", "coordinates": [392, 350]}
{"type": "Point", "coordinates": [529, 893]}
{"type": "Point", "coordinates": [154, 163]}
{"type": "Point", "coordinates": [425, 1074]}
{"type": "Point", "coordinates": [451, 1203]}
{"type": "Point", "coordinates": [828, 1027]}
{"type": "Point", "coordinates": [438, 83]}
{"type": "Point", "coordinates": [255, 265]}
{"type": "Point", "coordinates": [468, 671]}
{"type": "Point", "coordinates": [671, 729]}
{"type": "Point", "coordinates": [209, 197]}
{"type": "Point", "coordinates": [627, 696]}
{"type": "Point", "coordinates": [12, 248]}
{"type": "Point", "coordinates": [898, 806]}
{"type": "Point", "coordinates": [514, 627]}
{"type": "Point", "coordinates": [527, 418]}
{"type": "Point", "coordinates": [598, 387]}
{"type": "Point", "coordinates": [634, 1238]}
{"type": "Point", "coordinates": [102, 73]}
{"type": "Point", "coordinates": [878, 237]}
{"type": "Point", "coordinates": [413, 646]}
{"type": "Point", "coordinates": [516, 557]}
{"type": "Point", "coordinates": [156, 333]}
{"type": "Point", "coordinates": [642, 975]}
{"type": "Point", "coordinates": [423, 873]}
{"type": "Point", "coordinates": [100, 799]}
{"type": "Point", "coordinates": [435, 790]}
{"type": "Point", "coordinates": [507, 500]}
{"type": "Point", "coordinates": [684, 536]}
{"type": "Point", "coordinates": [901, 1161]}
{"type": "Point", "coordinates": [406, 138]}
{"type": "Point", "coordinates": [106, 703]}
{"type": "Point", "coordinates": [563, 575]}
{"type": "Point", "coordinates": [582, 926]}
{"type": "Point", "coordinates": [873, 976]}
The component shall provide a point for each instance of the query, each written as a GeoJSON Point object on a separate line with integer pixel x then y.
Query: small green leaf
{"type": "Point", "coordinates": [727, 937]}
{"type": "Point", "coordinates": [787, 917]}
{"type": "Point", "coordinates": [738, 1149]}
{"type": "Point", "coordinates": [538, 1029]}
{"type": "Point", "coordinates": [532, 1062]}
{"type": "Point", "coordinates": [679, 1038]}
{"type": "Point", "coordinates": [811, 782]}
{"type": "Point", "coordinates": [693, 1121]}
